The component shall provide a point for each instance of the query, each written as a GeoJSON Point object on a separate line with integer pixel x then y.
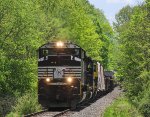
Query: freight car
{"type": "Point", "coordinates": [67, 76]}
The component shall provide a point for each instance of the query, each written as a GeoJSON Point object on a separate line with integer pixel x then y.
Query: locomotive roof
{"type": "Point", "coordinates": [66, 45]}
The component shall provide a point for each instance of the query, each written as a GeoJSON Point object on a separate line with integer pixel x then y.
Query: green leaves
{"type": "Point", "coordinates": [133, 28]}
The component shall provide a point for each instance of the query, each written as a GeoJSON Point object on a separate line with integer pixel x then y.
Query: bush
{"type": "Point", "coordinates": [121, 108]}
{"type": "Point", "coordinates": [13, 115]}
{"type": "Point", "coordinates": [25, 105]}
{"type": "Point", "coordinates": [5, 104]}
{"type": "Point", "coordinates": [144, 104]}
{"type": "Point", "coordinates": [145, 108]}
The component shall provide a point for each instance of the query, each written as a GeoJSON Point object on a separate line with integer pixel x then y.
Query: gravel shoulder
{"type": "Point", "coordinates": [97, 108]}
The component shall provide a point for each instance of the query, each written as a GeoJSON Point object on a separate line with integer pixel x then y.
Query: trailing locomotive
{"type": "Point", "coordinates": [67, 76]}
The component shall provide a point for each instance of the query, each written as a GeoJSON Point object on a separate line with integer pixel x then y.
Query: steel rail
{"type": "Point", "coordinates": [61, 113]}
{"type": "Point", "coordinates": [36, 113]}
{"type": "Point", "coordinates": [46, 110]}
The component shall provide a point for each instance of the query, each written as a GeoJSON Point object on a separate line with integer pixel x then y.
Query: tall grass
{"type": "Point", "coordinates": [25, 105]}
{"type": "Point", "coordinates": [121, 108]}
{"type": "Point", "coordinates": [5, 104]}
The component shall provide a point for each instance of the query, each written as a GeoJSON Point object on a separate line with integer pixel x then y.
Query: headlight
{"type": "Point", "coordinates": [48, 79]}
{"type": "Point", "coordinates": [59, 44]}
{"type": "Point", "coordinates": [69, 79]}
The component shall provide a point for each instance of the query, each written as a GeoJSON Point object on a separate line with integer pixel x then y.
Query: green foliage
{"type": "Point", "coordinates": [134, 60]}
{"type": "Point", "coordinates": [113, 54]}
{"type": "Point", "coordinates": [5, 104]}
{"type": "Point", "coordinates": [24, 75]}
{"type": "Point", "coordinates": [144, 107]}
{"type": "Point", "coordinates": [122, 18]}
{"type": "Point", "coordinates": [121, 108]}
{"type": "Point", "coordinates": [144, 104]}
{"type": "Point", "coordinates": [25, 105]}
{"type": "Point", "coordinates": [19, 39]}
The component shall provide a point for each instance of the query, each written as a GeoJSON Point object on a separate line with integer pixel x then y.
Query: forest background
{"type": "Point", "coordinates": [27, 24]}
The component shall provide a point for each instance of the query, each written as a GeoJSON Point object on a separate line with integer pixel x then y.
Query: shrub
{"type": "Point", "coordinates": [121, 108]}
{"type": "Point", "coordinates": [25, 105]}
{"type": "Point", "coordinates": [144, 104]}
{"type": "Point", "coordinates": [12, 114]}
{"type": "Point", "coordinates": [5, 104]}
{"type": "Point", "coordinates": [145, 108]}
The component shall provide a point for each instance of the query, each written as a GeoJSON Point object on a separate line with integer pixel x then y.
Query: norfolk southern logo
{"type": "Point", "coordinates": [58, 72]}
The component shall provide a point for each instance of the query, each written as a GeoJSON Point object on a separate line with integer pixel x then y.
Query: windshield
{"type": "Point", "coordinates": [60, 57]}
{"type": "Point", "coordinates": [60, 51]}
{"type": "Point", "coordinates": [60, 60]}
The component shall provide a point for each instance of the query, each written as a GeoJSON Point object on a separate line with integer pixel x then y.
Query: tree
{"type": "Point", "coordinates": [134, 63]}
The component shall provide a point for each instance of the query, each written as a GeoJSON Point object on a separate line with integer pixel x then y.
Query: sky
{"type": "Point", "coordinates": [112, 7]}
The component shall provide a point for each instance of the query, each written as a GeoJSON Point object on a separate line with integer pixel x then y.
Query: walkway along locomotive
{"type": "Point", "coordinates": [67, 76]}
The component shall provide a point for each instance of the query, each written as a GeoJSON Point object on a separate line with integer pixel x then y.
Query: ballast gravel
{"type": "Point", "coordinates": [97, 108]}
{"type": "Point", "coordinates": [94, 109]}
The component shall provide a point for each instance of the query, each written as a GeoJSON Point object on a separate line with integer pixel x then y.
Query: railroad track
{"type": "Point", "coordinates": [63, 113]}
{"type": "Point", "coordinates": [47, 113]}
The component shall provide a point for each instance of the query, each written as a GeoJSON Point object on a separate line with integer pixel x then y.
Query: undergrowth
{"type": "Point", "coordinates": [121, 108]}
{"type": "Point", "coordinates": [25, 105]}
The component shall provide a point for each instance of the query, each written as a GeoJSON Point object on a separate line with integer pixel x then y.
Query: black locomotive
{"type": "Point", "coordinates": [67, 76]}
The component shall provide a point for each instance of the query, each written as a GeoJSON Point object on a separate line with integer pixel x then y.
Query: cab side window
{"type": "Point", "coordinates": [45, 52]}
